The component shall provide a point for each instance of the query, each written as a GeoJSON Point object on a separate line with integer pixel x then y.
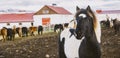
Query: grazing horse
{"type": "Point", "coordinates": [105, 23]}
{"type": "Point", "coordinates": [58, 27]}
{"type": "Point", "coordinates": [84, 40]}
{"type": "Point", "coordinates": [19, 31]}
{"type": "Point", "coordinates": [24, 31]}
{"type": "Point", "coordinates": [116, 25]}
{"type": "Point", "coordinates": [10, 34]}
{"type": "Point", "coordinates": [40, 30]}
{"type": "Point", "coordinates": [4, 33]}
{"type": "Point", "coordinates": [32, 29]}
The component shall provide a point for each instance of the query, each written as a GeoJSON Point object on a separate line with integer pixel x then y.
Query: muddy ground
{"type": "Point", "coordinates": [46, 46]}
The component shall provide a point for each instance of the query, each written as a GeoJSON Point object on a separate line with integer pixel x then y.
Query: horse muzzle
{"type": "Point", "coordinates": [79, 34]}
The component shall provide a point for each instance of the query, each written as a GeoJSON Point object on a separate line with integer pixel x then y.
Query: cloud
{"type": "Point", "coordinates": [67, 4]}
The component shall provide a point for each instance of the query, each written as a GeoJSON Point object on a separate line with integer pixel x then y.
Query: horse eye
{"type": "Point", "coordinates": [83, 15]}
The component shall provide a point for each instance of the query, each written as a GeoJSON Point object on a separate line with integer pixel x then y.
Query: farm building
{"type": "Point", "coordinates": [111, 14]}
{"type": "Point", "coordinates": [16, 19]}
{"type": "Point", "coordinates": [50, 15]}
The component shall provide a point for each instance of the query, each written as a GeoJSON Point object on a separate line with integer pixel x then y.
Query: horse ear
{"type": "Point", "coordinates": [89, 9]}
{"type": "Point", "coordinates": [77, 8]}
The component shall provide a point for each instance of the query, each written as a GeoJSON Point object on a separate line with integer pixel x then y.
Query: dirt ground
{"type": "Point", "coordinates": [46, 46]}
{"type": "Point", "coordinates": [110, 43]}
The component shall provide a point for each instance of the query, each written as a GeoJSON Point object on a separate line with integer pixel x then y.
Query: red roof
{"type": "Point", "coordinates": [59, 10]}
{"type": "Point", "coordinates": [26, 17]}
{"type": "Point", "coordinates": [108, 11]}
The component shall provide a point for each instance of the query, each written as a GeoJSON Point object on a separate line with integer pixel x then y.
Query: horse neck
{"type": "Point", "coordinates": [91, 35]}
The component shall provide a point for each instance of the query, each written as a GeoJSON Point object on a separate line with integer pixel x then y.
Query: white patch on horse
{"type": "Point", "coordinates": [71, 45]}
{"type": "Point", "coordinates": [83, 15]}
{"type": "Point", "coordinates": [98, 32]}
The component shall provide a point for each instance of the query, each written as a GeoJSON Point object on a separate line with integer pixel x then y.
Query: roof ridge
{"type": "Point", "coordinates": [59, 10]}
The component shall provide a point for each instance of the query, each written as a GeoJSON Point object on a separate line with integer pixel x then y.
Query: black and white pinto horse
{"type": "Point", "coordinates": [84, 40]}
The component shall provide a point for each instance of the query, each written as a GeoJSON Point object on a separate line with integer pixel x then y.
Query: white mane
{"type": "Point", "coordinates": [98, 31]}
{"type": "Point", "coordinates": [72, 24]}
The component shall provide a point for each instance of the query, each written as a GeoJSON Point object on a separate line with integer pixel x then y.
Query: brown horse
{"type": "Point", "coordinates": [32, 29]}
{"type": "Point", "coordinates": [19, 31]}
{"type": "Point", "coordinates": [4, 34]}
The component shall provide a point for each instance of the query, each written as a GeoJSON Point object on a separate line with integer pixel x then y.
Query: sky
{"type": "Point", "coordinates": [70, 5]}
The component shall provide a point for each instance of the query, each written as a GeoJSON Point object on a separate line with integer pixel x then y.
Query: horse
{"type": "Point", "coordinates": [4, 33]}
{"type": "Point", "coordinates": [7, 33]}
{"type": "Point", "coordinates": [66, 25]}
{"type": "Point", "coordinates": [116, 25]}
{"type": "Point", "coordinates": [105, 23]}
{"type": "Point", "coordinates": [32, 29]}
{"type": "Point", "coordinates": [19, 31]}
{"type": "Point", "coordinates": [84, 40]}
{"type": "Point", "coordinates": [24, 31]}
{"type": "Point", "coordinates": [10, 34]}
{"type": "Point", "coordinates": [58, 27]}
{"type": "Point", "coordinates": [40, 30]}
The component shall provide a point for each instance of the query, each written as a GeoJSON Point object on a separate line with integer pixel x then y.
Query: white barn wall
{"type": "Point", "coordinates": [24, 24]}
{"type": "Point", "coordinates": [54, 19]}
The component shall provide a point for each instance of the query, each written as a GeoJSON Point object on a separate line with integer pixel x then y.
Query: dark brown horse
{"type": "Point", "coordinates": [40, 30]}
{"type": "Point", "coordinates": [105, 23]}
{"type": "Point", "coordinates": [116, 25]}
{"type": "Point", "coordinates": [58, 27]}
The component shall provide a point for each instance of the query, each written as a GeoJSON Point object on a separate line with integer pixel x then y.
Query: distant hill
{"type": "Point", "coordinates": [15, 11]}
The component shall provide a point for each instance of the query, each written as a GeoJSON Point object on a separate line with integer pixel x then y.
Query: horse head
{"type": "Point", "coordinates": [86, 21]}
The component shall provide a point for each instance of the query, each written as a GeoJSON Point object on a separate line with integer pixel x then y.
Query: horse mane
{"type": "Point", "coordinates": [72, 24]}
{"type": "Point", "coordinates": [91, 13]}
{"type": "Point", "coordinates": [96, 25]}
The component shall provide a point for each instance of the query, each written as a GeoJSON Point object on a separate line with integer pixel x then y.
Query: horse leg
{"type": "Point", "coordinates": [3, 38]}
{"type": "Point", "coordinates": [13, 37]}
{"type": "Point", "coordinates": [41, 32]}
{"type": "Point", "coordinates": [26, 33]}
{"type": "Point", "coordinates": [38, 32]}
{"type": "Point", "coordinates": [20, 34]}
{"type": "Point", "coordinates": [33, 34]}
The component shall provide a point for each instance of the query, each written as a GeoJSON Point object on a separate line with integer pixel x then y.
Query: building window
{"type": "Point", "coordinates": [45, 11]}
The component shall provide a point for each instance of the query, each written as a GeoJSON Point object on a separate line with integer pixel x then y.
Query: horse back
{"type": "Point", "coordinates": [40, 28]}
{"type": "Point", "coordinates": [3, 31]}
